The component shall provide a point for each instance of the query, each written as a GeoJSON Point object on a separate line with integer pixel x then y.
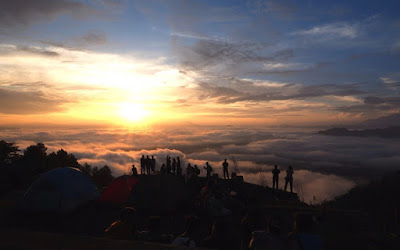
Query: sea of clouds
{"type": "Point", "coordinates": [325, 166]}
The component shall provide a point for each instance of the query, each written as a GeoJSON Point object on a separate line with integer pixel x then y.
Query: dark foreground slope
{"type": "Point", "coordinates": [166, 196]}
{"type": "Point", "coordinates": [378, 205]}
{"type": "Point", "coordinates": [365, 218]}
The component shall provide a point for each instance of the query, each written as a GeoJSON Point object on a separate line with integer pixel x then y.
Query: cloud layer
{"type": "Point", "coordinates": [319, 160]}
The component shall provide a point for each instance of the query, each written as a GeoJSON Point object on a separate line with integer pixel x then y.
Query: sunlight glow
{"type": "Point", "coordinates": [133, 112]}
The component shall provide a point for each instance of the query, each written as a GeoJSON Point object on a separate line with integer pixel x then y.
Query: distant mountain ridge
{"type": "Point", "coordinates": [390, 132]}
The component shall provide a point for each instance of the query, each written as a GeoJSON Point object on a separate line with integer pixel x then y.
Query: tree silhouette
{"type": "Point", "coordinates": [86, 169]}
{"type": "Point", "coordinates": [8, 153]}
{"type": "Point", "coordinates": [35, 158]}
{"type": "Point", "coordinates": [103, 176]}
{"type": "Point", "coordinates": [62, 159]}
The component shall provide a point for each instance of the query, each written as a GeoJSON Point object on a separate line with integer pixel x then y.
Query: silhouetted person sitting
{"type": "Point", "coordinates": [134, 170]}
{"type": "Point", "coordinates": [191, 237]}
{"type": "Point", "coordinates": [188, 172]}
{"type": "Point", "coordinates": [250, 223]}
{"type": "Point", "coordinates": [305, 234]}
{"type": "Point", "coordinates": [124, 228]}
{"type": "Point", "coordinates": [196, 171]}
{"type": "Point", "coordinates": [142, 165]}
{"type": "Point", "coordinates": [173, 166]}
{"type": "Point", "coordinates": [206, 191]}
{"type": "Point", "coordinates": [289, 178]}
{"type": "Point", "coordinates": [153, 232]}
{"type": "Point", "coordinates": [275, 177]}
{"type": "Point", "coordinates": [209, 169]}
{"type": "Point", "coordinates": [163, 169]}
{"type": "Point", "coordinates": [271, 239]}
{"type": "Point", "coordinates": [225, 165]}
{"type": "Point", "coordinates": [221, 236]}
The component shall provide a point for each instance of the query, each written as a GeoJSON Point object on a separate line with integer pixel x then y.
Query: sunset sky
{"type": "Point", "coordinates": [135, 63]}
{"type": "Point", "coordinates": [111, 80]}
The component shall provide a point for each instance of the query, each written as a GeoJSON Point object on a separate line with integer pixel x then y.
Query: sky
{"type": "Point", "coordinates": [229, 62]}
{"type": "Point", "coordinates": [110, 80]}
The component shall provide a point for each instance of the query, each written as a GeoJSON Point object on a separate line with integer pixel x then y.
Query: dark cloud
{"type": "Point", "coordinates": [373, 104]}
{"type": "Point", "coordinates": [219, 57]}
{"type": "Point", "coordinates": [383, 121]}
{"type": "Point", "coordinates": [22, 13]}
{"type": "Point", "coordinates": [35, 102]}
{"type": "Point", "coordinates": [381, 100]}
{"type": "Point", "coordinates": [12, 49]}
{"type": "Point", "coordinates": [280, 9]}
{"type": "Point", "coordinates": [37, 51]}
{"type": "Point", "coordinates": [236, 90]}
{"type": "Point", "coordinates": [91, 38]}
{"type": "Point", "coordinates": [59, 45]}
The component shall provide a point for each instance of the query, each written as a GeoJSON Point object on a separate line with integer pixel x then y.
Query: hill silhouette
{"type": "Point", "coordinates": [390, 132]}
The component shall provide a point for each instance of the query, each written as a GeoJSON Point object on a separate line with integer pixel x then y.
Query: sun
{"type": "Point", "coordinates": [133, 111]}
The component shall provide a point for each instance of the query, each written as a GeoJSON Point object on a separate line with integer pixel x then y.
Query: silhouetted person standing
{"type": "Point", "coordinates": [209, 169]}
{"type": "Point", "coordinates": [225, 165]}
{"type": "Point", "coordinates": [153, 164]}
{"type": "Point", "coordinates": [142, 165]}
{"type": "Point", "coordinates": [148, 164]}
{"type": "Point", "coordinates": [173, 166]}
{"type": "Point", "coordinates": [178, 166]}
{"type": "Point", "coordinates": [168, 164]}
{"type": "Point", "coordinates": [275, 177]}
{"type": "Point", "coordinates": [289, 178]}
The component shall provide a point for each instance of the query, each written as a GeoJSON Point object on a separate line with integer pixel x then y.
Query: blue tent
{"type": "Point", "coordinates": [59, 190]}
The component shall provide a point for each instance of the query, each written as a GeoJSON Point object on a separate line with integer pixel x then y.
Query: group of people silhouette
{"type": "Point", "coordinates": [148, 167]}
{"type": "Point", "coordinates": [288, 178]}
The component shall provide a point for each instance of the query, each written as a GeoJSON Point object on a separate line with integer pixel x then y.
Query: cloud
{"type": "Point", "coordinates": [20, 13]}
{"type": "Point", "coordinates": [251, 148]}
{"type": "Point", "coordinates": [391, 83]}
{"type": "Point", "coordinates": [311, 187]}
{"type": "Point", "coordinates": [9, 49]}
{"type": "Point", "coordinates": [247, 90]}
{"type": "Point", "coordinates": [287, 67]}
{"type": "Point", "coordinates": [280, 9]}
{"type": "Point", "coordinates": [219, 57]}
{"type": "Point", "coordinates": [91, 38]}
{"type": "Point", "coordinates": [330, 31]}
{"type": "Point", "coordinates": [373, 104]}
{"type": "Point", "coordinates": [330, 159]}
{"type": "Point", "coordinates": [33, 102]}
{"type": "Point", "coordinates": [37, 50]}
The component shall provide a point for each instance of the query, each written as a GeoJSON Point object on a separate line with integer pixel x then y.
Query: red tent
{"type": "Point", "coordinates": [119, 190]}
